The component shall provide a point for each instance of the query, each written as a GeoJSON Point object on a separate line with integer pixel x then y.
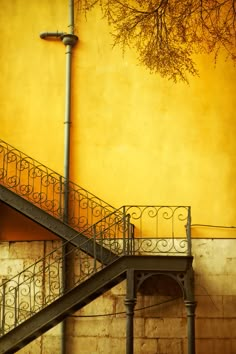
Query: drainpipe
{"type": "Point", "coordinates": [69, 40]}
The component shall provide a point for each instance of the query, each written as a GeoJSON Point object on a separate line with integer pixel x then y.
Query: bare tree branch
{"type": "Point", "coordinates": [166, 33]}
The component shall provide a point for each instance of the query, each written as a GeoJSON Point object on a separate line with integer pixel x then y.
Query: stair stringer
{"type": "Point", "coordinates": [55, 225]}
{"type": "Point", "coordinates": [84, 293]}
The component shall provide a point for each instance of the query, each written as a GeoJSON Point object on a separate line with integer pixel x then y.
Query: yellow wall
{"type": "Point", "coordinates": [32, 80]}
{"type": "Point", "coordinates": [22, 229]}
{"type": "Point", "coordinates": [137, 138]}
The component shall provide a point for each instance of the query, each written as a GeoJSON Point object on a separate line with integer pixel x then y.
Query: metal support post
{"type": "Point", "coordinates": [190, 306]}
{"type": "Point", "coordinates": [130, 302]}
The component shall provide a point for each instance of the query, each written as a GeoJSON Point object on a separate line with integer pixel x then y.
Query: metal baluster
{"type": "Point", "coordinates": [188, 231]}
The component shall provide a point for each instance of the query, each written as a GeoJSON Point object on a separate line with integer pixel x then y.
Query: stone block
{"type": "Point", "coordinates": [213, 248]}
{"type": "Point", "coordinates": [170, 346]}
{"type": "Point", "coordinates": [33, 347]}
{"type": "Point", "coordinates": [81, 345]}
{"type": "Point", "coordinates": [214, 256]}
{"type": "Point", "coordinates": [145, 346]}
{"type": "Point", "coordinates": [119, 289]}
{"type": "Point", "coordinates": [31, 250]}
{"type": "Point", "coordinates": [92, 326]}
{"type": "Point", "coordinates": [164, 307]}
{"type": "Point", "coordinates": [11, 267]}
{"type": "Point", "coordinates": [4, 250]}
{"type": "Point", "coordinates": [221, 284]}
{"type": "Point", "coordinates": [139, 327]}
{"type": "Point", "coordinates": [95, 345]}
{"type": "Point", "coordinates": [102, 305]}
{"type": "Point", "coordinates": [120, 306]}
{"type": "Point", "coordinates": [222, 346]}
{"type": "Point", "coordinates": [111, 345]}
{"type": "Point", "coordinates": [51, 344]}
{"type": "Point", "coordinates": [53, 246]}
{"type": "Point", "coordinates": [230, 265]}
{"type": "Point", "coordinates": [229, 306]}
{"type": "Point", "coordinates": [117, 328]}
{"type": "Point", "coordinates": [55, 331]}
{"type": "Point", "coordinates": [209, 306]}
{"type": "Point", "coordinates": [217, 328]}
{"type": "Point", "coordinates": [204, 346]}
{"type": "Point", "coordinates": [165, 327]}
{"type": "Point", "coordinates": [233, 346]}
{"type": "Point", "coordinates": [214, 346]}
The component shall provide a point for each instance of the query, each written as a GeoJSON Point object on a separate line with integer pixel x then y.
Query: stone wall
{"type": "Point", "coordinates": [162, 329]}
{"type": "Point", "coordinates": [158, 328]}
{"type": "Point", "coordinates": [14, 257]}
{"type": "Point", "coordinates": [215, 290]}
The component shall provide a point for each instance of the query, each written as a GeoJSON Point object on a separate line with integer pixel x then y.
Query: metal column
{"type": "Point", "coordinates": [190, 304]}
{"type": "Point", "coordinates": [130, 302]}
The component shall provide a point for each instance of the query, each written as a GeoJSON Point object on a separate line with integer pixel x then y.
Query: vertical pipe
{"type": "Point", "coordinates": [67, 123]}
{"type": "Point", "coordinates": [69, 41]}
{"type": "Point", "coordinates": [71, 17]}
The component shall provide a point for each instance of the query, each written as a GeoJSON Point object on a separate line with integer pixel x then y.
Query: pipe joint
{"type": "Point", "coordinates": [69, 39]}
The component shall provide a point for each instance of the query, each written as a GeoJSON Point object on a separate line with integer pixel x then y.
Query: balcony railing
{"type": "Point", "coordinates": [160, 229]}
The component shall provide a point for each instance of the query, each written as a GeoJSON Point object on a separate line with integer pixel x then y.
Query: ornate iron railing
{"type": "Point", "coordinates": [47, 189]}
{"type": "Point", "coordinates": [158, 230]}
{"type": "Point", "coordinates": [42, 283]}
{"type": "Point", "coordinates": [130, 230]}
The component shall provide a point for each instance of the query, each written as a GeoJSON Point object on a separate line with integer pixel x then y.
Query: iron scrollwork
{"type": "Point", "coordinates": [46, 189]}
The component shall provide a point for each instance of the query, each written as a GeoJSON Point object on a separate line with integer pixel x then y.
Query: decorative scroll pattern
{"type": "Point", "coordinates": [43, 282]}
{"type": "Point", "coordinates": [130, 230]}
{"type": "Point", "coordinates": [29, 291]}
{"type": "Point", "coordinates": [160, 229]}
{"type": "Point", "coordinates": [166, 246]}
{"type": "Point", "coordinates": [47, 189]}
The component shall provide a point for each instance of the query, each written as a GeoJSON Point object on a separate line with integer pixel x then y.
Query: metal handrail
{"type": "Point", "coordinates": [46, 189]}
{"type": "Point", "coordinates": [41, 283]}
{"type": "Point", "coordinates": [129, 230]}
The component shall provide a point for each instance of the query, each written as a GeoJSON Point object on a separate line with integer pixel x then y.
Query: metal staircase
{"type": "Point", "coordinates": [38, 192]}
{"type": "Point", "coordinates": [80, 295]}
{"type": "Point", "coordinates": [109, 244]}
{"type": "Point", "coordinates": [45, 189]}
